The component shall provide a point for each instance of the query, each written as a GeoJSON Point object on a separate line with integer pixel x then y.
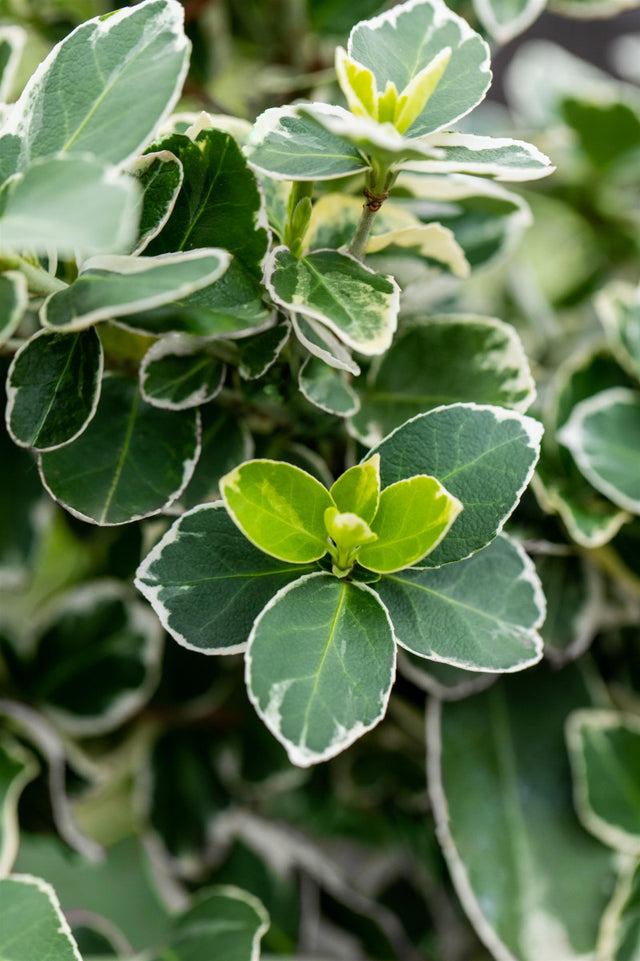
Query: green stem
{"type": "Point", "coordinates": [379, 182]}
{"type": "Point", "coordinates": [40, 281]}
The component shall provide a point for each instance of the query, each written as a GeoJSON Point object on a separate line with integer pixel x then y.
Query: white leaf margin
{"type": "Point", "coordinates": [175, 344]}
{"type": "Point", "coordinates": [382, 343]}
{"type": "Point", "coordinates": [538, 166]}
{"type": "Point", "coordinates": [571, 434]}
{"type": "Point", "coordinates": [304, 385]}
{"type": "Point", "coordinates": [16, 37]}
{"type": "Point", "coordinates": [126, 265]}
{"type": "Point", "coordinates": [45, 888]}
{"type": "Point", "coordinates": [602, 720]}
{"type": "Point", "coordinates": [12, 393]}
{"type": "Point", "coordinates": [10, 837]}
{"type": "Point", "coordinates": [504, 31]}
{"type": "Point", "coordinates": [140, 164]}
{"type": "Point", "coordinates": [298, 754]}
{"type": "Point", "coordinates": [532, 429]}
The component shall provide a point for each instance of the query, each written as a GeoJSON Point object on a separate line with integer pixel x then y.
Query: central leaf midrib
{"type": "Point", "coordinates": [314, 690]}
{"type": "Point", "coordinates": [123, 455]}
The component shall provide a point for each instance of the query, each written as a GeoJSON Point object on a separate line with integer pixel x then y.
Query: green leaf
{"type": "Point", "coordinates": [223, 922]}
{"type": "Point", "coordinates": [326, 388]}
{"type": "Point", "coordinates": [98, 887]}
{"type": "Point", "coordinates": [114, 286]}
{"type": "Point", "coordinates": [590, 520]}
{"type": "Point", "coordinates": [280, 508]}
{"type": "Point", "coordinates": [21, 513]}
{"type": "Point", "coordinates": [619, 938]}
{"type": "Point", "coordinates": [231, 307]}
{"type": "Point", "coordinates": [604, 748]}
{"type": "Point", "coordinates": [95, 659]}
{"type": "Point", "coordinates": [207, 583]}
{"type": "Point", "coordinates": [225, 443]}
{"type": "Point", "coordinates": [412, 518]}
{"type": "Point", "coordinates": [358, 305]}
{"type": "Point", "coordinates": [618, 306]}
{"type": "Point", "coordinates": [181, 775]}
{"type": "Point", "coordinates": [399, 44]}
{"type": "Point", "coordinates": [177, 373]}
{"type": "Point", "coordinates": [14, 297]}
{"type": "Point", "coordinates": [358, 489]}
{"type": "Point", "coordinates": [320, 665]}
{"type": "Point", "coordinates": [17, 768]}
{"type": "Point", "coordinates": [160, 176]}
{"type": "Point", "coordinates": [482, 614]}
{"type": "Point", "coordinates": [290, 146]}
{"type": "Point", "coordinates": [45, 208]}
{"type": "Point", "coordinates": [219, 205]}
{"type": "Point", "coordinates": [573, 590]}
{"type": "Point", "coordinates": [31, 922]}
{"type": "Point", "coordinates": [320, 342]}
{"type": "Point", "coordinates": [498, 157]}
{"type": "Point", "coordinates": [12, 42]}
{"type": "Point", "coordinates": [260, 352]}
{"type": "Point", "coordinates": [447, 359]}
{"type": "Point", "coordinates": [483, 455]}
{"type": "Point", "coordinates": [505, 19]}
{"type": "Point", "coordinates": [486, 219]}
{"type": "Point", "coordinates": [603, 435]}
{"type": "Point", "coordinates": [126, 72]}
{"type": "Point", "coordinates": [605, 131]}
{"type": "Point", "coordinates": [531, 880]}
{"type": "Point", "coordinates": [132, 471]}
{"type": "Point", "coordinates": [379, 141]}
{"type": "Point", "coordinates": [53, 388]}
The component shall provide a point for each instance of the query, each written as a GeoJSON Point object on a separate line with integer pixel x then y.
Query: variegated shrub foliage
{"type": "Point", "coordinates": [247, 374]}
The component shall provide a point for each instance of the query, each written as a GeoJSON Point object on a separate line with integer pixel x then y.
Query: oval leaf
{"type": "Point", "coordinates": [223, 922]}
{"type": "Point", "coordinates": [279, 507]}
{"type": "Point", "coordinates": [121, 468]}
{"type": "Point", "coordinates": [604, 747]}
{"type": "Point", "coordinates": [358, 305]}
{"type": "Point", "coordinates": [325, 387]}
{"type": "Point", "coordinates": [505, 747]}
{"type": "Point", "coordinates": [412, 518]}
{"type": "Point", "coordinates": [357, 491]}
{"type": "Point", "coordinates": [603, 435]}
{"type": "Point", "coordinates": [483, 455]}
{"type": "Point", "coordinates": [448, 359]}
{"type": "Point", "coordinates": [320, 665]}
{"type": "Point", "coordinates": [207, 583]}
{"type": "Point", "coordinates": [482, 614]}
{"type": "Point", "coordinates": [160, 176]}
{"type": "Point", "coordinates": [177, 373]}
{"type": "Point", "coordinates": [111, 287]}
{"type": "Point", "coordinates": [53, 388]}
{"type": "Point", "coordinates": [132, 64]}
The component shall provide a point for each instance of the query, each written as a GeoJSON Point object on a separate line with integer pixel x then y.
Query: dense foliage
{"type": "Point", "coordinates": [264, 431]}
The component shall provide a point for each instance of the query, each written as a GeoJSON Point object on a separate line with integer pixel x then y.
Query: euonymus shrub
{"type": "Point", "coordinates": [181, 251]}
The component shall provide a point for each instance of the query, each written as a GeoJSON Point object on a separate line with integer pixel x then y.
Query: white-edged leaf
{"type": "Point", "coordinates": [112, 286]}
{"type": "Point", "coordinates": [14, 297]}
{"type": "Point", "coordinates": [133, 472]}
{"type": "Point", "coordinates": [160, 176]}
{"type": "Point", "coordinates": [177, 372]}
{"type": "Point", "coordinates": [32, 924]}
{"type": "Point", "coordinates": [498, 157]}
{"type": "Point", "coordinates": [45, 208]}
{"type": "Point", "coordinates": [53, 388]}
{"type": "Point", "coordinates": [482, 614]}
{"type": "Point", "coordinates": [222, 922]}
{"type": "Point", "coordinates": [532, 882]}
{"type": "Point", "coordinates": [289, 146]}
{"type": "Point", "coordinates": [320, 342]}
{"type": "Point", "coordinates": [447, 359]}
{"type": "Point", "coordinates": [327, 388]}
{"type": "Point", "coordinates": [333, 287]}
{"type": "Point", "coordinates": [207, 583]}
{"type": "Point", "coordinates": [603, 435]}
{"type": "Point", "coordinates": [619, 937]}
{"type": "Point", "coordinates": [505, 20]}
{"type": "Point", "coordinates": [399, 43]}
{"type": "Point", "coordinates": [483, 455]}
{"type": "Point", "coordinates": [12, 41]}
{"type": "Point", "coordinates": [428, 240]}
{"type": "Point", "coordinates": [320, 665]}
{"type": "Point", "coordinates": [619, 310]}
{"type": "Point", "coordinates": [604, 748]}
{"type": "Point", "coordinates": [107, 87]}
{"type": "Point", "coordinates": [17, 767]}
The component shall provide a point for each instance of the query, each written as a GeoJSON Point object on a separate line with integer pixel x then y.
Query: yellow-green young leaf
{"type": "Point", "coordinates": [412, 518]}
{"type": "Point", "coordinates": [280, 508]}
{"type": "Point", "coordinates": [357, 84]}
{"type": "Point", "coordinates": [358, 489]}
{"type": "Point", "coordinates": [348, 532]}
{"type": "Point", "coordinates": [417, 92]}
